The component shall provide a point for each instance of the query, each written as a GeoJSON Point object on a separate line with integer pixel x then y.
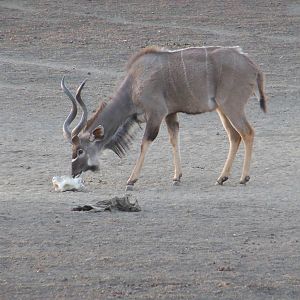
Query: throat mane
{"type": "Point", "coordinates": [124, 136]}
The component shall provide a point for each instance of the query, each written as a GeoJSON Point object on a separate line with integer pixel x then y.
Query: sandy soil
{"type": "Point", "coordinates": [196, 241]}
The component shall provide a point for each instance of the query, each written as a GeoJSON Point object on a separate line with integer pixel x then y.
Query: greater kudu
{"type": "Point", "coordinates": [158, 85]}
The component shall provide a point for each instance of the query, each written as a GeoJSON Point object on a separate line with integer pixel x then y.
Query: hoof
{"type": "Point", "coordinates": [176, 182]}
{"type": "Point", "coordinates": [245, 180]}
{"type": "Point", "coordinates": [129, 188]}
{"type": "Point", "coordinates": [221, 180]}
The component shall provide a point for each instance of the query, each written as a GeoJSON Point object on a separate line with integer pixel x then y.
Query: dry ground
{"type": "Point", "coordinates": [196, 241]}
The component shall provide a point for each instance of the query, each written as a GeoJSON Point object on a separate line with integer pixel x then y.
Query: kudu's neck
{"type": "Point", "coordinates": [116, 112]}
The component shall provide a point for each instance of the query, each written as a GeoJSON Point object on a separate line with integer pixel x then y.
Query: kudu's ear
{"type": "Point", "coordinates": [97, 133]}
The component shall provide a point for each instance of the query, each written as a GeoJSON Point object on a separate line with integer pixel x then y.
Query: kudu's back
{"type": "Point", "coordinates": [193, 80]}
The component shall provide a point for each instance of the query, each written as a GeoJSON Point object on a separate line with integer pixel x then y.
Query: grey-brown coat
{"type": "Point", "coordinates": [158, 85]}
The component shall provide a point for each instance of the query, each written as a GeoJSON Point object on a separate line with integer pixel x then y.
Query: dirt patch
{"type": "Point", "coordinates": [196, 240]}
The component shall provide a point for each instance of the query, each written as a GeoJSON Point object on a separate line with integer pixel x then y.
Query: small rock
{"type": "Point", "coordinates": [225, 268]}
{"type": "Point", "coordinates": [223, 284]}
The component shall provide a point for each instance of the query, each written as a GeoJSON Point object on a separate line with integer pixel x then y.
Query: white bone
{"type": "Point", "coordinates": [67, 183]}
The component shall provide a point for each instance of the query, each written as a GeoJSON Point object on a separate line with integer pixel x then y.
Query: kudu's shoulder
{"type": "Point", "coordinates": [141, 53]}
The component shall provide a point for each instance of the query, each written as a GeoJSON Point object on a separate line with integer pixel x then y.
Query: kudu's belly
{"type": "Point", "coordinates": [193, 100]}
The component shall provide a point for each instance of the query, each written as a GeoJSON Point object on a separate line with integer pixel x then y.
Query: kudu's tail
{"type": "Point", "coordinates": [260, 85]}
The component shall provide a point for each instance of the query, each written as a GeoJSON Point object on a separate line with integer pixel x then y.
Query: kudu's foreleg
{"type": "Point", "coordinates": [151, 132]}
{"type": "Point", "coordinates": [173, 129]}
{"type": "Point", "coordinates": [234, 142]}
{"type": "Point", "coordinates": [138, 166]}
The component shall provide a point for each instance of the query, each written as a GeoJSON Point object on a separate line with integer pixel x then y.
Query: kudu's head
{"type": "Point", "coordinates": [84, 142]}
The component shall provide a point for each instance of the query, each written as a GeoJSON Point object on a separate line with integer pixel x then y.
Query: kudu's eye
{"type": "Point", "coordinates": [80, 152]}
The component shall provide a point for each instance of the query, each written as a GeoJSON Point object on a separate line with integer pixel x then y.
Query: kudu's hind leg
{"type": "Point", "coordinates": [151, 132]}
{"type": "Point", "coordinates": [234, 142]}
{"type": "Point", "coordinates": [242, 126]}
{"type": "Point", "coordinates": [173, 129]}
{"type": "Point", "coordinates": [248, 137]}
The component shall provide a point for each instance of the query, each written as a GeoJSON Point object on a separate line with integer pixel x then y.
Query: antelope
{"type": "Point", "coordinates": [158, 85]}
